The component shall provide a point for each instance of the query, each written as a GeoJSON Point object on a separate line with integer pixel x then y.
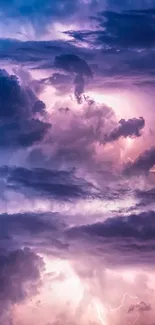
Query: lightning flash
{"type": "Point", "coordinates": [100, 311]}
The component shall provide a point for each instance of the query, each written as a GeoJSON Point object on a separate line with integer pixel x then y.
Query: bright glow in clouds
{"type": "Point", "coordinates": [129, 143]}
{"type": "Point", "coordinates": [120, 103]}
{"type": "Point", "coordinates": [65, 285]}
{"type": "Point", "coordinates": [101, 312]}
{"type": "Point", "coordinates": [65, 296]}
{"type": "Point", "coordinates": [68, 288]}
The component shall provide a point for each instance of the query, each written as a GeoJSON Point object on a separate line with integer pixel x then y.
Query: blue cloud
{"type": "Point", "coordinates": [19, 106]}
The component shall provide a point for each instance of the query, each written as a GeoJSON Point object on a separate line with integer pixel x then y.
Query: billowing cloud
{"type": "Point", "coordinates": [19, 114]}
{"type": "Point", "coordinates": [23, 134]}
{"type": "Point", "coordinates": [15, 101]}
{"type": "Point", "coordinates": [129, 128]}
{"type": "Point", "coordinates": [87, 225]}
{"type": "Point", "coordinates": [76, 136]}
{"type": "Point", "coordinates": [19, 279]}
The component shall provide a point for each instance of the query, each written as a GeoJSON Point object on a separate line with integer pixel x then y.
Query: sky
{"type": "Point", "coordinates": [77, 162]}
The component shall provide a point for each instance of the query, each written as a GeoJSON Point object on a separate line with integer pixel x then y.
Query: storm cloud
{"type": "Point", "coordinates": [63, 185]}
{"type": "Point", "coordinates": [20, 125]}
{"type": "Point", "coordinates": [130, 238]}
{"type": "Point", "coordinates": [19, 279]}
{"type": "Point", "coordinates": [77, 210]}
{"type": "Point", "coordinates": [78, 68]}
{"type": "Point", "coordinates": [143, 163]}
{"type": "Point", "coordinates": [129, 128]}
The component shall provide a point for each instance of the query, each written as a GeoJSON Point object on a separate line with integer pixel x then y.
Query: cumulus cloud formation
{"type": "Point", "coordinates": [20, 125]}
{"type": "Point", "coordinates": [76, 136]}
{"type": "Point", "coordinates": [19, 279]}
{"type": "Point", "coordinates": [15, 101]}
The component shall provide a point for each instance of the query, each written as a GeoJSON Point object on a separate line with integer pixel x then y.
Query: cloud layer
{"type": "Point", "coordinates": [77, 184]}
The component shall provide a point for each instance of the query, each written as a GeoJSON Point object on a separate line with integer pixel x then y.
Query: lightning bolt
{"type": "Point", "coordinates": [134, 320]}
{"type": "Point", "coordinates": [122, 301]}
{"type": "Point", "coordinates": [99, 313]}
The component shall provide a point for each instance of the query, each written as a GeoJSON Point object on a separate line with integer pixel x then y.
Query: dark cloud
{"type": "Point", "coordinates": [73, 64]}
{"type": "Point", "coordinates": [19, 110]}
{"type": "Point", "coordinates": [118, 30]}
{"type": "Point", "coordinates": [37, 9]}
{"type": "Point", "coordinates": [116, 240]}
{"type": "Point", "coordinates": [76, 175]}
{"type": "Point", "coordinates": [28, 224]}
{"type": "Point", "coordinates": [120, 239]}
{"type": "Point", "coordinates": [37, 158]}
{"type": "Point", "coordinates": [141, 307]}
{"type": "Point", "coordinates": [42, 232]}
{"type": "Point", "coordinates": [129, 128]}
{"type": "Point", "coordinates": [34, 53]}
{"type": "Point", "coordinates": [130, 4]}
{"type": "Point", "coordinates": [145, 197]}
{"type": "Point", "coordinates": [121, 31]}
{"type": "Point", "coordinates": [15, 101]}
{"type": "Point", "coordinates": [63, 185]}
{"type": "Point", "coordinates": [110, 68]}
{"type": "Point", "coordinates": [22, 134]}
{"type": "Point", "coordinates": [78, 68]}
{"type": "Point", "coordinates": [142, 164]}
{"type": "Point", "coordinates": [126, 53]}
{"type": "Point", "coordinates": [19, 278]}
